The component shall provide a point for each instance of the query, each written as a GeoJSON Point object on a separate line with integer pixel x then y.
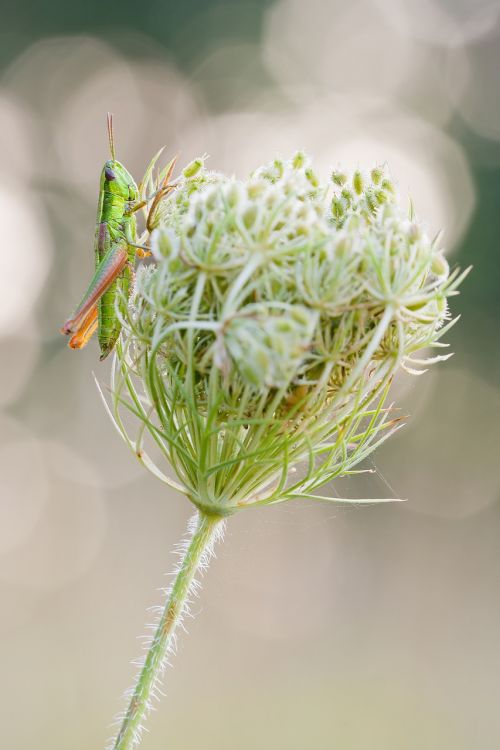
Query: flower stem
{"type": "Point", "coordinates": [196, 552]}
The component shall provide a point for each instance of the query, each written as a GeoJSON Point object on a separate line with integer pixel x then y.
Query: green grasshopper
{"type": "Point", "coordinates": [115, 247]}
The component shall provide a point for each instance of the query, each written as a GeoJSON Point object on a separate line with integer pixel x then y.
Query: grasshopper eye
{"type": "Point", "coordinates": [109, 174]}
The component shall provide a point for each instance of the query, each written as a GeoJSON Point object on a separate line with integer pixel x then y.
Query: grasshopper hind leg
{"type": "Point", "coordinates": [87, 329]}
{"type": "Point", "coordinates": [104, 279]}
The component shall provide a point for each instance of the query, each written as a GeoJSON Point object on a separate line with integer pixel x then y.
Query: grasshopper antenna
{"type": "Point", "coordinates": [110, 135]}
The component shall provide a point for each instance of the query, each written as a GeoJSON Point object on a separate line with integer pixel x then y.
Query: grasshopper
{"type": "Point", "coordinates": [116, 247]}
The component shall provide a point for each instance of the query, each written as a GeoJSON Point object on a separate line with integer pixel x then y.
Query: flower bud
{"type": "Point", "coordinates": [267, 347]}
{"type": "Point", "coordinates": [376, 174]}
{"type": "Point", "coordinates": [249, 215]}
{"type": "Point", "coordinates": [439, 266]}
{"type": "Point", "coordinates": [193, 168]}
{"type": "Point", "coordinates": [348, 196]}
{"type": "Point", "coordinates": [388, 185]}
{"type": "Point", "coordinates": [339, 178]}
{"type": "Point", "coordinates": [358, 182]}
{"type": "Point", "coordinates": [312, 177]}
{"type": "Point", "coordinates": [164, 244]}
{"type": "Point", "coordinates": [298, 160]}
{"type": "Point", "coordinates": [234, 194]}
{"type": "Point", "coordinates": [255, 188]}
{"type": "Point", "coordinates": [337, 208]}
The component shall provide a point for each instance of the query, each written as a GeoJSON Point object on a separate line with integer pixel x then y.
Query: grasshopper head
{"type": "Point", "coordinates": [118, 180]}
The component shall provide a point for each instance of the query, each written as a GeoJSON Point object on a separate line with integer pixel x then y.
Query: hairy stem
{"type": "Point", "coordinates": [196, 552]}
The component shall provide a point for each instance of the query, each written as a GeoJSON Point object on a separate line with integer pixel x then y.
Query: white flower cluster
{"type": "Point", "coordinates": [279, 248]}
{"type": "Point", "coordinates": [278, 308]}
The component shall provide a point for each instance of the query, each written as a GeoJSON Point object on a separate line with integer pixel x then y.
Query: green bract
{"type": "Point", "coordinates": [269, 329]}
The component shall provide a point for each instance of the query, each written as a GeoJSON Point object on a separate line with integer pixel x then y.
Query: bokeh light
{"type": "Point", "coordinates": [478, 105]}
{"type": "Point", "coordinates": [348, 47]}
{"type": "Point", "coordinates": [441, 22]}
{"type": "Point", "coordinates": [26, 258]}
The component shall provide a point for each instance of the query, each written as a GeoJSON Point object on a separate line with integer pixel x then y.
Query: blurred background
{"type": "Point", "coordinates": [318, 626]}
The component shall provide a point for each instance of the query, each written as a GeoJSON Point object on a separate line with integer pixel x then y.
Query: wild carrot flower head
{"type": "Point", "coordinates": [268, 330]}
